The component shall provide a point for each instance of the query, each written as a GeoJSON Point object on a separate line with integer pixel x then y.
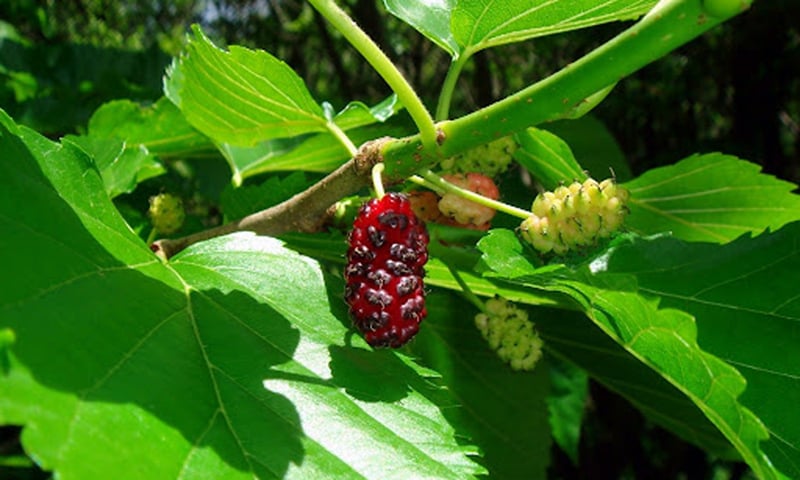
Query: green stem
{"type": "Point", "coordinates": [343, 138]}
{"type": "Point", "coordinates": [377, 182]}
{"type": "Point", "coordinates": [449, 85]}
{"type": "Point", "coordinates": [669, 25]}
{"type": "Point", "coordinates": [466, 291]}
{"type": "Point", "coordinates": [152, 237]}
{"type": "Point", "coordinates": [385, 68]}
{"type": "Point", "coordinates": [439, 184]}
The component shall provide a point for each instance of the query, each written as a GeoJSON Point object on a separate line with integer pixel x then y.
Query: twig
{"type": "Point", "coordinates": [304, 212]}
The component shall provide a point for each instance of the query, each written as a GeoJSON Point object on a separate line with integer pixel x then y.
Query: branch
{"type": "Point", "coordinates": [304, 212]}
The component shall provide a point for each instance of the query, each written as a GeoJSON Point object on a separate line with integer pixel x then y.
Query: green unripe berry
{"type": "Point", "coordinates": [490, 159]}
{"type": "Point", "coordinates": [166, 213]}
{"type": "Point", "coordinates": [574, 216]}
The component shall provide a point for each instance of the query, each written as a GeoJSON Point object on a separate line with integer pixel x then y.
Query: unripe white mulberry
{"type": "Point", "coordinates": [575, 216]}
{"type": "Point", "coordinates": [510, 333]}
{"type": "Point", "coordinates": [490, 159]}
{"type": "Point", "coordinates": [166, 213]}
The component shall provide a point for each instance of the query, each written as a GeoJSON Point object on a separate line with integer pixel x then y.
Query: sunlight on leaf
{"type": "Point", "coordinates": [240, 96]}
{"type": "Point", "coordinates": [233, 360]}
{"type": "Point", "coordinates": [480, 24]}
{"type": "Point", "coordinates": [710, 198]}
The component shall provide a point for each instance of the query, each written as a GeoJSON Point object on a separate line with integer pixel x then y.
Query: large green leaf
{"type": "Point", "coordinates": [241, 96]}
{"type": "Point", "coordinates": [710, 198]}
{"type": "Point", "coordinates": [480, 24]}
{"type": "Point", "coordinates": [663, 339]}
{"type": "Point", "coordinates": [745, 298]}
{"type": "Point", "coordinates": [234, 360]}
{"type": "Point", "coordinates": [463, 27]}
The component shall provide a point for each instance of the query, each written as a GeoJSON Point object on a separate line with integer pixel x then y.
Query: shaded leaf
{"type": "Point", "coordinates": [160, 128]}
{"type": "Point", "coordinates": [231, 361]}
{"type": "Point", "coordinates": [321, 152]}
{"type": "Point", "coordinates": [503, 410]}
{"type": "Point", "coordinates": [663, 339]}
{"type": "Point", "coordinates": [121, 168]}
{"type": "Point", "coordinates": [244, 200]}
{"type": "Point", "coordinates": [240, 96]}
{"type": "Point", "coordinates": [744, 297]}
{"type": "Point", "coordinates": [566, 404]}
{"type": "Point", "coordinates": [710, 198]}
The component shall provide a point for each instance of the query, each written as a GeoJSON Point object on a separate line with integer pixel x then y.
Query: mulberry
{"type": "Point", "coordinates": [388, 248]}
{"type": "Point", "coordinates": [166, 213]}
{"type": "Point", "coordinates": [575, 216]}
{"type": "Point", "coordinates": [509, 332]}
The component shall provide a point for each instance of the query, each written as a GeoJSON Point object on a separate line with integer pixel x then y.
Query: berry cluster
{"type": "Point", "coordinates": [510, 333]}
{"type": "Point", "coordinates": [490, 159]}
{"type": "Point", "coordinates": [575, 216]}
{"type": "Point", "coordinates": [451, 209]}
{"type": "Point", "coordinates": [166, 213]}
{"type": "Point", "coordinates": [388, 248]}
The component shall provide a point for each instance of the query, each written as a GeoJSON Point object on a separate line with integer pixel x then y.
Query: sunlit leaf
{"type": "Point", "coordinates": [233, 360]}
{"type": "Point", "coordinates": [548, 158]}
{"type": "Point", "coordinates": [480, 24]}
{"type": "Point", "coordinates": [711, 198]}
{"type": "Point", "coordinates": [241, 96]}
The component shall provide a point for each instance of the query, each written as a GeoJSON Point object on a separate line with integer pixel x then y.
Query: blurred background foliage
{"type": "Point", "coordinates": [736, 90]}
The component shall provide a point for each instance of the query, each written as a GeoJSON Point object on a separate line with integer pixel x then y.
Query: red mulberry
{"type": "Point", "coordinates": [387, 252]}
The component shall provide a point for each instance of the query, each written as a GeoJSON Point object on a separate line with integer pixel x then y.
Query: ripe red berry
{"type": "Point", "coordinates": [388, 249]}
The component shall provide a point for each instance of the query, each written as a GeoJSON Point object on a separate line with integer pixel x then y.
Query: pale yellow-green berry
{"type": "Point", "coordinates": [576, 215]}
{"type": "Point", "coordinates": [166, 213]}
{"type": "Point", "coordinates": [510, 333]}
{"type": "Point", "coordinates": [490, 159]}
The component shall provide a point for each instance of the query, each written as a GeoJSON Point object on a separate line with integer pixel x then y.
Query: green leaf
{"type": "Point", "coordinates": [503, 410]}
{"type": "Point", "coordinates": [241, 96]}
{"type": "Point", "coordinates": [244, 200]}
{"type": "Point", "coordinates": [566, 404]}
{"type": "Point", "coordinates": [594, 147]}
{"type": "Point", "coordinates": [160, 128]}
{"type": "Point", "coordinates": [663, 339]}
{"type": "Point", "coordinates": [547, 157]}
{"type": "Point", "coordinates": [321, 152]}
{"type": "Point", "coordinates": [357, 114]}
{"type": "Point", "coordinates": [121, 168]}
{"type": "Point", "coordinates": [710, 198]}
{"type": "Point", "coordinates": [234, 360]}
{"type": "Point", "coordinates": [430, 17]}
{"type": "Point", "coordinates": [480, 24]}
{"type": "Point", "coordinates": [744, 297]}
